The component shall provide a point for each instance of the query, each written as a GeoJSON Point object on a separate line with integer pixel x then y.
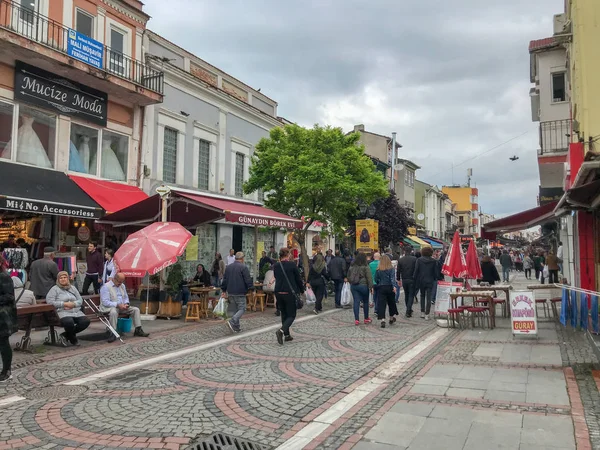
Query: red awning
{"type": "Point", "coordinates": [110, 195]}
{"type": "Point", "coordinates": [522, 220]}
{"type": "Point", "coordinates": [190, 209]}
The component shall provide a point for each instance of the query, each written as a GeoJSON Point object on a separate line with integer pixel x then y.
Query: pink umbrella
{"type": "Point", "coordinates": [473, 265]}
{"type": "Point", "coordinates": [455, 264]}
{"type": "Point", "coordinates": [152, 249]}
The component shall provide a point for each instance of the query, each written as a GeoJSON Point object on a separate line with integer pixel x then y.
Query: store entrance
{"type": "Point", "coordinates": [237, 243]}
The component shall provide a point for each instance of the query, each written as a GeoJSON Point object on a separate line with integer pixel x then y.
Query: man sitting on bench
{"type": "Point", "coordinates": [114, 300]}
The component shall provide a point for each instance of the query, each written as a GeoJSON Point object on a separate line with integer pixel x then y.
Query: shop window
{"type": "Point", "coordinates": [170, 156]}
{"type": "Point", "coordinates": [115, 156]}
{"type": "Point", "coordinates": [84, 23]}
{"type": "Point", "coordinates": [83, 149]}
{"type": "Point", "coordinates": [204, 164]}
{"type": "Point", "coordinates": [6, 119]}
{"type": "Point", "coordinates": [36, 137]}
{"type": "Point", "coordinates": [239, 175]}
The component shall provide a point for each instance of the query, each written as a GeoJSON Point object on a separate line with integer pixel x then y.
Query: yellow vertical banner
{"type": "Point", "coordinates": [191, 251]}
{"type": "Point", "coordinates": [260, 247]}
{"type": "Point", "coordinates": [367, 235]}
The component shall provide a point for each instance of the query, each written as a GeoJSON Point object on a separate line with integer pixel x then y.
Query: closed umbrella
{"type": "Point", "coordinates": [455, 265]}
{"type": "Point", "coordinates": [473, 265]}
{"type": "Point", "coordinates": [152, 249]}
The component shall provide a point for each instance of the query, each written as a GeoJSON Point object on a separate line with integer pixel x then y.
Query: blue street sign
{"type": "Point", "coordinates": [85, 49]}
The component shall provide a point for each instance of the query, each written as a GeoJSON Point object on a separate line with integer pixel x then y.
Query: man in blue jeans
{"type": "Point", "coordinates": [506, 263]}
{"type": "Point", "coordinates": [236, 284]}
{"type": "Point", "coordinates": [337, 272]}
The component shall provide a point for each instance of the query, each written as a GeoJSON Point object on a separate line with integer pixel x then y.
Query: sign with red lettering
{"type": "Point", "coordinates": [523, 313]}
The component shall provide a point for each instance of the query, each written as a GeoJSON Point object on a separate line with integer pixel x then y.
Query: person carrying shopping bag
{"type": "Point", "coordinates": [384, 279]}
{"type": "Point", "coordinates": [361, 283]}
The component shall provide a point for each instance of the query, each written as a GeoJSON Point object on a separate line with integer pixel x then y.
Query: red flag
{"type": "Point", "coordinates": [455, 264]}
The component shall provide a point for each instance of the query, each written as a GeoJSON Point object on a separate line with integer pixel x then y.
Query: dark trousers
{"type": "Point", "coordinates": [74, 325]}
{"type": "Point", "coordinates": [409, 294]}
{"type": "Point", "coordinates": [319, 291]}
{"type": "Point", "coordinates": [527, 273]}
{"type": "Point", "coordinates": [287, 305]}
{"type": "Point", "coordinates": [552, 276]}
{"type": "Point", "coordinates": [338, 291]}
{"type": "Point", "coordinates": [426, 292]}
{"type": "Point", "coordinates": [91, 279]}
{"type": "Point", "coordinates": [6, 353]}
{"type": "Point", "coordinates": [360, 294]}
{"type": "Point", "coordinates": [386, 298]}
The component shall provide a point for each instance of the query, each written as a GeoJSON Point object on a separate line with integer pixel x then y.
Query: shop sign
{"type": "Point", "coordinates": [550, 195]}
{"type": "Point", "coordinates": [367, 235]}
{"type": "Point", "coordinates": [86, 49]}
{"type": "Point", "coordinates": [83, 234]}
{"type": "Point", "coordinates": [262, 221]}
{"type": "Point", "coordinates": [41, 207]}
{"type": "Point", "coordinates": [38, 87]}
{"type": "Point", "coordinates": [522, 313]}
{"type": "Point", "coordinates": [442, 296]}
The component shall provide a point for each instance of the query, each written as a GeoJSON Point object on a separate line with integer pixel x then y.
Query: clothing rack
{"type": "Point", "coordinates": [66, 262]}
{"type": "Point", "coordinates": [17, 258]}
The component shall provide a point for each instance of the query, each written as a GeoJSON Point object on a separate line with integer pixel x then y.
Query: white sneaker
{"type": "Point", "coordinates": [422, 315]}
{"type": "Point", "coordinates": [427, 317]}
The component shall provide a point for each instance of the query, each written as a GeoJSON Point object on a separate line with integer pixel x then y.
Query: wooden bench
{"type": "Point", "coordinates": [36, 316]}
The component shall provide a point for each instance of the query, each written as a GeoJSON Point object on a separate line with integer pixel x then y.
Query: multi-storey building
{"type": "Point", "coordinates": [73, 85]}
{"type": "Point", "coordinates": [466, 199]}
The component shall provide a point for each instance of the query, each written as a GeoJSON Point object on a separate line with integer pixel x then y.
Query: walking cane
{"type": "Point", "coordinates": [102, 318]}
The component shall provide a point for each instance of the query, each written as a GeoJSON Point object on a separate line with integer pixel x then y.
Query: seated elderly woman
{"type": "Point", "coordinates": [67, 301]}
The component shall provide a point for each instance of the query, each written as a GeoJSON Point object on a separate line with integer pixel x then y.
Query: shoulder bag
{"type": "Point", "coordinates": [299, 302]}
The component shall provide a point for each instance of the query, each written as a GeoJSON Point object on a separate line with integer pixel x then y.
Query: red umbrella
{"type": "Point", "coordinates": [473, 265]}
{"type": "Point", "coordinates": [152, 249]}
{"type": "Point", "coordinates": [455, 264]}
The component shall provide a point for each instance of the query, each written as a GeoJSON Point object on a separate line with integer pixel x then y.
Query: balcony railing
{"type": "Point", "coordinates": [554, 136]}
{"type": "Point", "coordinates": [32, 25]}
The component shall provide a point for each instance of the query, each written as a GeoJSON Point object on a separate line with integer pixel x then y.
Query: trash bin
{"type": "Point", "coordinates": [124, 325]}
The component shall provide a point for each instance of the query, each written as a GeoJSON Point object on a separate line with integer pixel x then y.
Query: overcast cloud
{"type": "Point", "coordinates": [450, 77]}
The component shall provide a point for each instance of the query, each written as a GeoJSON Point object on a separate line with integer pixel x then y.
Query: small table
{"type": "Point", "coordinates": [202, 293]}
{"type": "Point", "coordinates": [484, 295]}
{"type": "Point", "coordinates": [506, 288]}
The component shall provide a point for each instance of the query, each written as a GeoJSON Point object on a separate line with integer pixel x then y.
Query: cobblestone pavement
{"type": "Point", "coordinates": [336, 385]}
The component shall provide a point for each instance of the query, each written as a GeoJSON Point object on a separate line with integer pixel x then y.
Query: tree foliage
{"type": "Point", "coordinates": [393, 220]}
{"type": "Point", "coordinates": [318, 173]}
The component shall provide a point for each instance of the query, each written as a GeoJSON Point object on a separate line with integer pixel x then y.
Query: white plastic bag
{"type": "Point", "coordinates": [346, 295]}
{"type": "Point", "coordinates": [221, 308]}
{"type": "Point", "coordinates": [371, 303]}
{"type": "Point", "coordinates": [269, 282]}
{"type": "Point", "coordinates": [311, 298]}
{"type": "Point", "coordinates": [545, 272]}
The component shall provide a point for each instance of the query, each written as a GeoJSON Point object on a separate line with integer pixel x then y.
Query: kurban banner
{"type": "Point", "coordinates": [367, 235]}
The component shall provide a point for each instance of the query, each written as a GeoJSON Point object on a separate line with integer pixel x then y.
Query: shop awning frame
{"type": "Point", "coordinates": [412, 243]}
{"type": "Point", "coordinates": [111, 195]}
{"type": "Point", "coordinates": [522, 220]}
{"type": "Point", "coordinates": [434, 243]}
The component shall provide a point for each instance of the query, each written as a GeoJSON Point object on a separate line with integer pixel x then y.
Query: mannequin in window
{"type": "Point", "coordinates": [29, 147]}
{"type": "Point", "coordinates": [111, 167]}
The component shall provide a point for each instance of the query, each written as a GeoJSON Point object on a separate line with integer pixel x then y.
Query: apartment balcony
{"type": "Point", "coordinates": [554, 137]}
{"type": "Point", "coordinates": [28, 36]}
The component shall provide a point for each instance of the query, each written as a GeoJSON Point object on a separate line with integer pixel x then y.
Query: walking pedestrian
{"type": "Point", "coordinates": [316, 281]}
{"type": "Point", "coordinates": [8, 320]}
{"type": "Point", "coordinates": [559, 255]}
{"type": "Point", "coordinates": [373, 265]}
{"type": "Point", "coordinates": [405, 272]}
{"type": "Point", "coordinates": [538, 264]}
{"type": "Point", "coordinates": [95, 269]}
{"type": "Point", "coordinates": [553, 268]}
{"type": "Point", "coordinates": [425, 275]}
{"type": "Point", "coordinates": [385, 280]}
{"type": "Point", "coordinates": [218, 270]}
{"type": "Point", "coordinates": [236, 284]}
{"type": "Point", "coordinates": [527, 266]}
{"type": "Point", "coordinates": [361, 283]}
{"type": "Point", "coordinates": [43, 274]}
{"type": "Point", "coordinates": [488, 271]}
{"type": "Point", "coordinates": [506, 263]}
{"type": "Point", "coordinates": [337, 273]}
{"type": "Point", "coordinates": [288, 285]}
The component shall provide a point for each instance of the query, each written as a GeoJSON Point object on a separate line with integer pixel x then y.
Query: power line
{"type": "Point", "coordinates": [487, 151]}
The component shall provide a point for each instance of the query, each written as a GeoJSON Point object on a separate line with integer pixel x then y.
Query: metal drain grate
{"type": "Point", "coordinates": [220, 441]}
{"type": "Point", "coordinates": [54, 392]}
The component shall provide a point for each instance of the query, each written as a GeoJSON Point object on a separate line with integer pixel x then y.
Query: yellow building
{"type": "Point", "coordinates": [467, 208]}
{"type": "Point", "coordinates": [582, 33]}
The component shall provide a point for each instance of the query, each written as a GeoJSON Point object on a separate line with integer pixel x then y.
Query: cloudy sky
{"type": "Point", "coordinates": [450, 77]}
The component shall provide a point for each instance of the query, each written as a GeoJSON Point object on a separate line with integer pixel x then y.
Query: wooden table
{"type": "Point", "coordinates": [202, 293]}
{"type": "Point", "coordinates": [506, 288]}
{"type": "Point", "coordinates": [483, 295]}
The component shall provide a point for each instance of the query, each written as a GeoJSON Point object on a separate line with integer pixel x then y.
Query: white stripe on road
{"type": "Point", "coordinates": [307, 434]}
{"type": "Point", "coordinates": [10, 400]}
{"type": "Point", "coordinates": [183, 352]}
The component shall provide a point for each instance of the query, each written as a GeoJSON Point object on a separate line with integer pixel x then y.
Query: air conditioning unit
{"type": "Point", "coordinates": [560, 21]}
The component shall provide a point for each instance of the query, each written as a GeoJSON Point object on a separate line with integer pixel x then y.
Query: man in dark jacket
{"type": "Point", "coordinates": [337, 273]}
{"type": "Point", "coordinates": [405, 272]}
{"type": "Point", "coordinates": [425, 275]}
{"type": "Point", "coordinates": [95, 269]}
{"type": "Point", "coordinates": [43, 273]}
{"type": "Point", "coordinates": [236, 284]}
{"type": "Point", "coordinates": [506, 263]}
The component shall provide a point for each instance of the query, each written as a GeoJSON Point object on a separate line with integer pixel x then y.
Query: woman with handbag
{"type": "Point", "coordinates": [8, 319]}
{"type": "Point", "coordinates": [316, 281]}
{"type": "Point", "coordinates": [288, 287]}
{"type": "Point", "coordinates": [361, 283]}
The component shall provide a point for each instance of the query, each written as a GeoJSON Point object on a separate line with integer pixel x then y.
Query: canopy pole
{"type": "Point", "coordinates": [256, 259]}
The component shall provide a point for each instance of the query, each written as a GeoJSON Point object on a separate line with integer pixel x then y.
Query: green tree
{"type": "Point", "coordinates": [318, 173]}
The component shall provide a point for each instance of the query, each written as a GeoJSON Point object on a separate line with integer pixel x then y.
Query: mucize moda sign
{"type": "Point", "coordinates": [262, 221]}
{"type": "Point", "coordinates": [41, 207]}
{"type": "Point", "coordinates": [38, 87]}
